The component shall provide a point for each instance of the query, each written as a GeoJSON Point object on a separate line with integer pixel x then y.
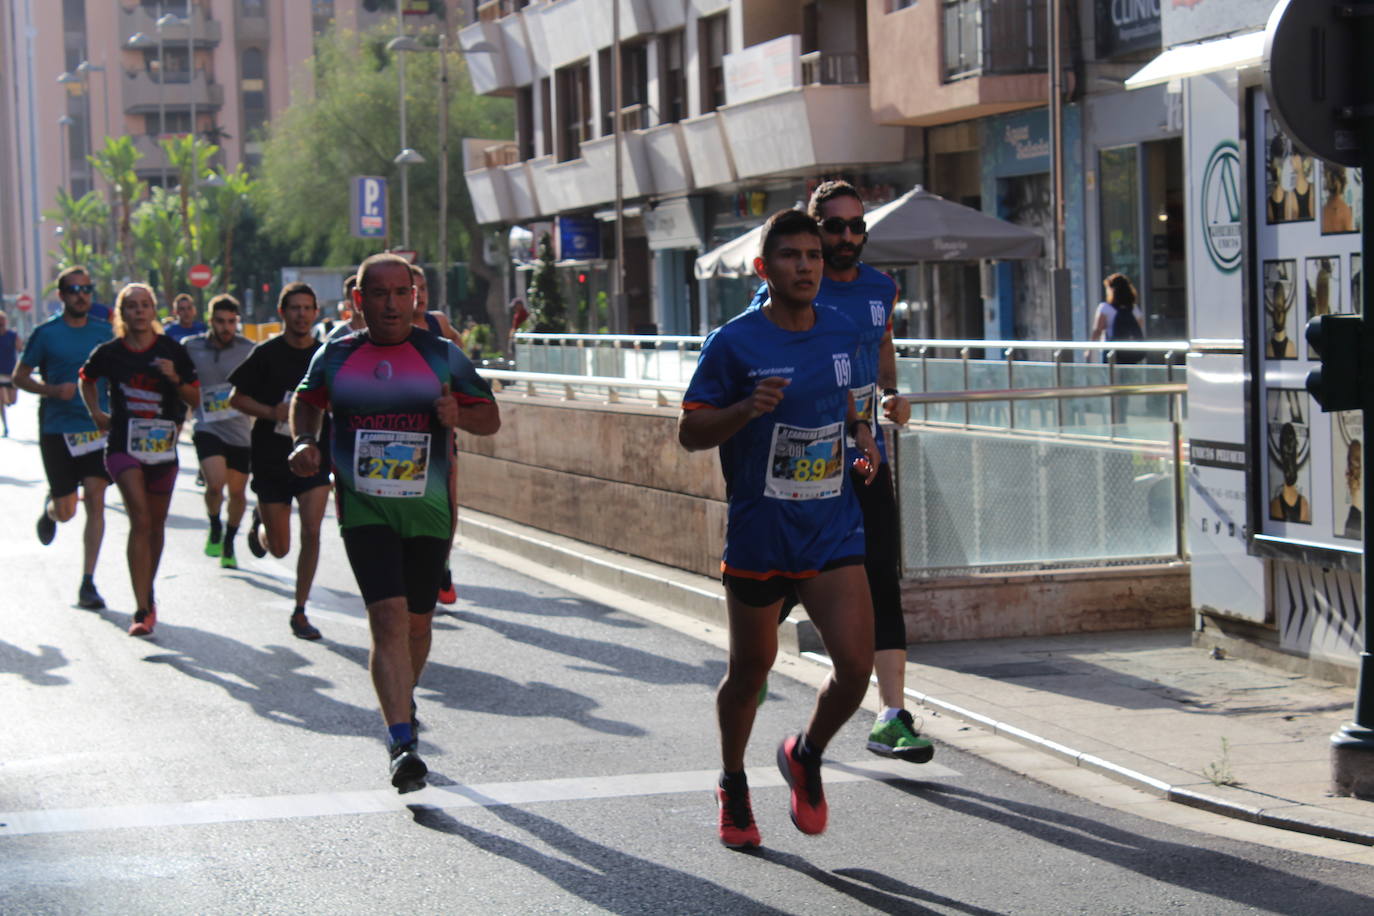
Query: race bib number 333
{"type": "Point", "coordinates": [805, 463]}
{"type": "Point", "coordinates": [390, 463]}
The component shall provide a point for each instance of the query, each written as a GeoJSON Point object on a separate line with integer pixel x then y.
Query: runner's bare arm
{"type": "Point", "coordinates": [24, 380]}
{"type": "Point", "coordinates": [253, 408]}
{"type": "Point", "coordinates": [446, 328]}
{"type": "Point", "coordinates": [91, 396]}
{"type": "Point", "coordinates": [895, 408]}
{"type": "Point", "coordinates": [707, 427]}
{"type": "Point", "coordinates": [863, 438]}
{"type": "Point", "coordinates": [306, 420]}
{"type": "Point", "coordinates": [482, 419]}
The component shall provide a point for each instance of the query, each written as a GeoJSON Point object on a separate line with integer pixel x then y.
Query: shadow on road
{"type": "Point", "coordinates": [606, 878]}
{"type": "Point", "coordinates": [877, 891]}
{"type": "Point", "coordinates": [470, 690]}
{"type": "Point", "coordinates": [1194, 868]}
{"type": "Point", "coordinates": [536, 605]}
{"type": "Point", "coordinates": [33, 667]}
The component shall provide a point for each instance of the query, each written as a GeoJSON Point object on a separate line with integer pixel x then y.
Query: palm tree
{"type": "Point", "coordinates": [159, 240]}
{"type": "Point", "coordinates": [84, 222]}
{"type": "Point", "coordinates": [224, 207]}
{"type": "Point", "coordinates": [190, 161]}
{"type": "Point", "coordinates": [116, 162]}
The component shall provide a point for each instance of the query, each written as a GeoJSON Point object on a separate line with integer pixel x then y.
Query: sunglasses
{"type": "Point", "coordinates": [834, 225]}
{"type": "Point", "coordinates": [75, 288]}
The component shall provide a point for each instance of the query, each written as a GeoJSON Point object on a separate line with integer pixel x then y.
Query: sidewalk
{"type": "Point", "coordinates": [1141, 709]}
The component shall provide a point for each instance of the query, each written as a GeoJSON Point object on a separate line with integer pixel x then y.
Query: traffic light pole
{"type": "Point", "coordinates": [1352, 746]}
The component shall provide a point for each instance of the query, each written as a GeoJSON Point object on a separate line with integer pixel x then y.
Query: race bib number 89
{"type": "Point", "coordinates": [805, 463]}
{"type": "Point", "coordinates": [394, 464]}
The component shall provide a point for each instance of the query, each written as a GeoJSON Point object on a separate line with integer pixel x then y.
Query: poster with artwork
{"type": "Point", "coordinates": [1281, 318]}
{"type": "Point", "coordinates": [1347, 474]}
{"type": "Point", "coordinates": [1356, 290]}
{"type": "Point", "coordinates": [1322, 288]}
{"type": "Point", "coordinates": [1290, 454]}
{"type": "Point", "coordinates": [1290, 193]}
{"type": "Point", "coordinates": [1342, 199]}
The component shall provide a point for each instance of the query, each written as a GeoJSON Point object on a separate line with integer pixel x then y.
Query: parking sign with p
{"type": "Point", "coordinates": [369, 207]}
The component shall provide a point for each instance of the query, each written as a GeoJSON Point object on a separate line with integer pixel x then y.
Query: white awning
{"type": "Point", "coordinates": [1234, 53]}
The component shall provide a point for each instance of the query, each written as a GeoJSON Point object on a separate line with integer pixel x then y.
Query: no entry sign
{"type": "Point", "coordinates": [200, 275]}
{"type": "Point", "coordinates": [24, 303]}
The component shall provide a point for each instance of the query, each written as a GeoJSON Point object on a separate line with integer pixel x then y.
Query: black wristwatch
{"type": "Point", "coordinates": [890, 392]}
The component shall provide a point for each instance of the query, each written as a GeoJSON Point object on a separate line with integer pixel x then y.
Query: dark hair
{"type": "Point", "coordinates": [377, 260]}
{"type": "Point", "coordinates": [67, 274]}
{"type": "Point", "coordinates": [1120, 293]}
{"type": "Point", "coordinates": [350, 283]}
{"type": "Point", "coordinates": [292, 289]}
{"type": "Point", "coordinates": [827, 191]}
{"type": "Point", "coordinates": [224, 303]}
{"type": "Point", "coordinates": [785, 222]}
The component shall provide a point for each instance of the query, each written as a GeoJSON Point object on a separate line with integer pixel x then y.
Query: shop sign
{"type": "Point", "coordinates": [1221, 207]}
{"type": "Point", "coordinates": [1124, 26]}
{"type": "Point", "coordinates": [672, 224]}
{"type": "Point", "coordinates": [579, 238]}
{"type": "Point", "coordinates": [763, 69]}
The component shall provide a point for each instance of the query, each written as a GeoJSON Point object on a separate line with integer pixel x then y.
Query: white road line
{"type": "Point", "coordinates": [380, 801]}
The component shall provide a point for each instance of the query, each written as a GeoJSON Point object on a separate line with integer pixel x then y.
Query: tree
{"type": "Point", "coordinates": [160, 241]}
{"type": "Point", "coordinates": [116, 162]}
{"type": "Point", "coordinates": [545, 295]}
{"type": "Point", "coordinates": [350, 127]}
{"type": "Point", "coordinates": [190, 161]}
{"type": "Point", "coordinates": [224, 207]}
{"type": "Point", "coordinates": [85, 225]}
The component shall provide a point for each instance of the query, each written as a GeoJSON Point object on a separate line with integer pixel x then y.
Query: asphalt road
{"type": "Point", "coordinates": [225, 767]}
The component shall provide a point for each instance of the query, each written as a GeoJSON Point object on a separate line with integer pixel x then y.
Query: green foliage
{"type": "Point", "coordinates": [160, 241]}
{"type": "Point", "coordinates": [115, 162]}
{"type": "Point", "coordinates": [351, 127]}
{"type": "Point", "coordinates": [545, 295]}
{"type": "Point", "coordinates": [482, 337]}
{"type": "Point", "coordinates": [85, 239]}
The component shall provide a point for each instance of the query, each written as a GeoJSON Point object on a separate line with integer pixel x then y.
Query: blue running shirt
{"type": "Point", "coordinates": [792, 507]}
{"type": "Point", "coordinates": [867, 301]}
{"type": "Point", "coordinates": [57, 351]}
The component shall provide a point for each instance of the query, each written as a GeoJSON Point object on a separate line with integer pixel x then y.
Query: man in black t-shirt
{"type": "Point", "coordinates": [263, 386]}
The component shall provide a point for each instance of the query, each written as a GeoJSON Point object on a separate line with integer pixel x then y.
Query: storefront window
{"type": "Point", "coordinates": [1119, 182]}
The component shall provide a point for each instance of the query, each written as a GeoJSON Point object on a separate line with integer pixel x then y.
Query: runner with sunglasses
{"type": "Point", "coordinates": [152, 382]}
{"type": "Point", "coordinates": [867, 296]}
{"type": "Point", "coordinates": [72, 447]}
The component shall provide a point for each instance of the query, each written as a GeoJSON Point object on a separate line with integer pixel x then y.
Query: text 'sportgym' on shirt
{"type": "Point", "coordinates": [867, 300]}
{"type": "Point", "coordinates": [57, 351]}
{"type": "Point", "coordinates": [393, 460]}
{"type": "Point", "coordinates": [792, 508]}
{"type": "Point", "coordinates": [146, 412]}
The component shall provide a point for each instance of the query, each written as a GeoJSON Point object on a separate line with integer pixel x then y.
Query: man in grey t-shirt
{"type": "Point", "coordinates": [222, 434]}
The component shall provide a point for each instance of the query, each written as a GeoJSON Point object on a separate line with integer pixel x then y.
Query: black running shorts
{"type": "Point", "coordinates": [387, 565]}
{"type": "Point", "coordinates": [765, 592]}
{"type": "Point", "coordinates": [65, 471]}
{"type": "Point", "coordinates": [236, 457]}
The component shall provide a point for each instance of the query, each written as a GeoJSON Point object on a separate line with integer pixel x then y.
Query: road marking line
{"type": "Point", "coordinates": [380, 801]}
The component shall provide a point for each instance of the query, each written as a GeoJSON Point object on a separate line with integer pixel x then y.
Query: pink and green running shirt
{"type": "Point", "coordinates": [393, 460]}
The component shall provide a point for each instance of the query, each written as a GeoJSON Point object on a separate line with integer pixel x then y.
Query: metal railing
{"type": "Point", "coordinates": [993, 36]}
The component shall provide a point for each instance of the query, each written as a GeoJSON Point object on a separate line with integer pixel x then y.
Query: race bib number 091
{"type": "Point", "coordinates": [394, 464]}
{"type": "Point", "coordinates": [805, 463]}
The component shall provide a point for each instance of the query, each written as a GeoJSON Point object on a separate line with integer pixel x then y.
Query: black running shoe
{"type": "Point", "coordinates": [47, 528]}
{"type": "Point", "coordinates": [408, 771]}
{"type": "Point", "coordinates": [88, 598]}
{"type": "Point", "coordinates": [301, 628]}
{"type": "Point", "coordinates": [254, 542]}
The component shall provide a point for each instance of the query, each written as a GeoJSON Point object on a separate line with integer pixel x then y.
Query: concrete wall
{"type": "Point", "coordinates": [614, 476]}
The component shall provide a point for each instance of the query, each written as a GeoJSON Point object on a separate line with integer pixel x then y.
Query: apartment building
{"type": "Point", "coordinates": [729, 109]}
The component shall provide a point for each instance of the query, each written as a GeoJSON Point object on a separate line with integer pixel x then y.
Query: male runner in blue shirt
{"type": "Point", "coordinates": [772, 391]}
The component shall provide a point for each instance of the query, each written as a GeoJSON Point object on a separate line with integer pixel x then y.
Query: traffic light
{"type": "Point", "coordinates": [1337, 341]}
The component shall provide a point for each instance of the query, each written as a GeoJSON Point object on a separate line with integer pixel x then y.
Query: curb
{"type": "Point", "coordinates": [683, 592]}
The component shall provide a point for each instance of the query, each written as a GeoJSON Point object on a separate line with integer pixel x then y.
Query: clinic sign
{"type": "Point", "coordinates": [1124, 26]}
{"type": "Point", "coordinates": [367, 215]}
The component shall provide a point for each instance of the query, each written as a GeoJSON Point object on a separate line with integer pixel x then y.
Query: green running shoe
{"type": "Point", "coordinates": [899, 738]}
{"type": "Point", "coordinates": [228, 561]}
{"type": "Point", "coordinates": [212, 545]}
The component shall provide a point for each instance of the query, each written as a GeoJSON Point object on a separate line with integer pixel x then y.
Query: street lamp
{"type": "Point", "coordinates": [406, 43]}
{"type": "Point", "coordinates": [64, 139]}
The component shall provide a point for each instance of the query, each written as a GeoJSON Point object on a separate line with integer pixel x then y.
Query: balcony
{"type": "Point", "coordinates": [153, 156]}
{"type": "Point", "coordinates": [490, 71]}
{"type": "Point", "coordinates": [670, 166]}
{"type": "Point", "coordinates": [707, 151]}
{"type": "Point", "coordinates": [143, 94]}
{"type": "Point", "coordinates": [806, 128]}
{"type": "Point", "coordinates": [988, 60]}
{"type": "Point", "coordinates": [139, 19]}
{"type": "Point", "coordinates": [983, 37]}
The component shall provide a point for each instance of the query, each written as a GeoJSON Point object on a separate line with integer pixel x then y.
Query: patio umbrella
{"type": "Point", "coordinates": [921, 226]}
{"type": "Point", "coordinates": [733, 259]}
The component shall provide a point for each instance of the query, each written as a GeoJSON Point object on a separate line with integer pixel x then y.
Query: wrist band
{"type": "Point", "coordinates": [303, 439]}
{"type": "Point", "coordinates": [890, 392]}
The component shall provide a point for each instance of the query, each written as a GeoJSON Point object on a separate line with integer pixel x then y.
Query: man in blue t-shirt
{"type": "Point", "coordinates": [73, 449]}
{"type": "Point", "coordinates": [772, 391]}
{"type": "Point", "coordinates": [188, 323]}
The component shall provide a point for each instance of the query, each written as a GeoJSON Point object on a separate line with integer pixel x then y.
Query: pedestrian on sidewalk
{"type": "Point", "coordinates": [772, 392]}
{"type": "Point", "coordinates": [73, 448]}
{"type": "Point", "coordinates": [152, 382]}
{"type": "Point", "coordinates": [10, 345]}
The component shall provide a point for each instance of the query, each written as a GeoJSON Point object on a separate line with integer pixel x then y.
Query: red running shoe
{"type": "Point", "coordinates": [448, 594]}
{"type": "Point", "coordinates": [808, 808]}
{"type": "Point", "coordinates": [737, 827]}
{"type": "Point", "coordinates": [143, 624]}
